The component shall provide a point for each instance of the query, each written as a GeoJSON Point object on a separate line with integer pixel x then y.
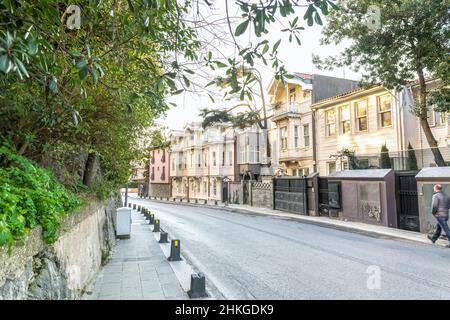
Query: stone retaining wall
{"type": "Point", "coordinates": [65, 269]}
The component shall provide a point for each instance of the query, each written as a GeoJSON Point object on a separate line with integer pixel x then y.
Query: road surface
{"type": "Point", "coordinates": [247, 256]}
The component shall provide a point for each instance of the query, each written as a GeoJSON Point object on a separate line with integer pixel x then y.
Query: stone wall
{"type": "Point", "coordinates": [65, 269]}
{"type": "Point", "coordinates": [262, 195]}
{"type": "Point", "coordinates": [235, 193]}
{"type": "Point", "coordinates": [160, 190]}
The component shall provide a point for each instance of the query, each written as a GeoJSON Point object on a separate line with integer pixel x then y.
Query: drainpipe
{"type": "Point", "coordinates": [313, 131]}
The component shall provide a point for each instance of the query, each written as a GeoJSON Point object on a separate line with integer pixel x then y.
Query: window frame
{"type": "Point", "coordinates": [380, 113]}
{"type": "Point", "coordinates": [306, 145]}
{"type": "Point", "coordinates": [357, 117]}
{"type": "Point", "coordinates": [349, 120]}
{"type": "Point", "coordinates": [296, 145]}
{"type": "Point", "coordinates": [328, 124]}
{"type": "Point", "coordinates": [283, 139]}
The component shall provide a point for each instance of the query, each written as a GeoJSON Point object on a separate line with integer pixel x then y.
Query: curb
{"type": "Point", "coordinates": [353, 229]}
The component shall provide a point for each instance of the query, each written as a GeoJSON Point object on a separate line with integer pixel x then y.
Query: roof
{"type": "Point", "coordinates": [347, 94]}
{"type": "Point", "coordinates": [436, 173]}
{"type": "Point", "coordinates": [369, 174]}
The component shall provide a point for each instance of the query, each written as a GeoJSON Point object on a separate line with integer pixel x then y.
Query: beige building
{"type": "Point", "coordinates": [200, 160]}
{"type": "Point", "coordinates": [362, 120]}
{"type": "Point", "coordinates": [291, 106]}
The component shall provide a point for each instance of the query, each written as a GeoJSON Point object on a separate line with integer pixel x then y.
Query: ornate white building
{"type": "Point", "coordinates": [200, 160]}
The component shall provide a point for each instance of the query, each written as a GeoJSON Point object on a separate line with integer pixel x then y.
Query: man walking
{"type": "Point", "coordinates": [440, 204]}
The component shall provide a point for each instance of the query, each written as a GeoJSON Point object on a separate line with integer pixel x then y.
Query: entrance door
{"type": "Point", "coordinates": [407, 202]}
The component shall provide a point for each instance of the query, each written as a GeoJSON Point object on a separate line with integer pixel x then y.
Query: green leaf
{"type": "Point", "coordinates": [21, 67]}
{"type": "Point", "coordinates": [83, 73]}
{"type": "Point", "coordinates": [186, 81]}
{"type": "Point", "coordinates": [53, 85]}
{"type": "Point", "coordinates": [81, 64]}
{"type": "Point", "coordinates": [265, 49]}
{"type": "Point", "coordinates": [275, 46]}
{"type": "Point", "coordinates": [241, 28]}
{"type": "Point", "coordinates": [4, 62]}
{"type": "Point", "coordinates": [220, 64]}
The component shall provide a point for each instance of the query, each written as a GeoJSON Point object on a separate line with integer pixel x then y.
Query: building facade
{"type": "Point", "coordinates": [159, 173]}
{"type": "Point", "coordinates": [200, 160]}
{"type": "Point", "coordinates": [291, 106]}
{"type": "Point", "coordinates": [352, 127]}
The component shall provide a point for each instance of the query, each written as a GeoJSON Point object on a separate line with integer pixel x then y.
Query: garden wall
{"type": "Point", "coordinates": [65, 269]}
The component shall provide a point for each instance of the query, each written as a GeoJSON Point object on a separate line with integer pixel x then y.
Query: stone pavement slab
{"type": "Point", "coordinates": [138, 270]}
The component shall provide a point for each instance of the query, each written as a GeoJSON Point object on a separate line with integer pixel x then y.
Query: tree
{"type": "Point", "coordinates": [410, 42]}
{"type": "Point", "coordinates": [254, 115]}
{"type": "Point", "coordinates": [412, 160]}
{"type": "Point", "coordinates": [385, 161]}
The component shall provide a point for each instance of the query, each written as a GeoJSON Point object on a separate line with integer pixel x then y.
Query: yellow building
{"type": "Point", "coordinates": [291, 106]}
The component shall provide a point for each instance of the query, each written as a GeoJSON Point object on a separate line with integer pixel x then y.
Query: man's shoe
{"type": "Point", "coordinates": [431, 238]}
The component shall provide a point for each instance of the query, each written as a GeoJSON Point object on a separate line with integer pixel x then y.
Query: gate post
{"type": "Point", "coordinates": [273, 193]}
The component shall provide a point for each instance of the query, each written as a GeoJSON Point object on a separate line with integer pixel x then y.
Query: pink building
{"type": "Point", "coordinates": [159, 173]}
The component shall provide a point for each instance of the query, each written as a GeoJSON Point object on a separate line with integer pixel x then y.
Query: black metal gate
{"type": "Point", "coordinates": [324, 208]}
{"type": "Point", "coordinates": [224, 192]}
{"type": "Point", "coordinates": [290, 195]}
{"type": "Point", "coordinates": [407, 202]}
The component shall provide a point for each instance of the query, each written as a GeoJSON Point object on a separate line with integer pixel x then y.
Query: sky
{"type": "Point", "coordinates": [295, 58]}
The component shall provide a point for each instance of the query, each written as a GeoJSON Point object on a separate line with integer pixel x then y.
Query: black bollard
{"type": "Point", "coordinates": [163, 238]}
{"type": "Point", "coordinates": [129, 205]}
{"type": "Point", "coordinates": [151, 218]}
{"type": "Point", "coordinates": [134, 206]}
{"type": "Point", "coordinates": [174, 250]}
{"type": "Point", "coordinates": [156, 226]}
{"type": "Point", "coordinates": [198, 286]}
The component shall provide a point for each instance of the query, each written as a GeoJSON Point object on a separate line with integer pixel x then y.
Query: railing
{"type": "Point", "coordinates": [414, 159]}
{"type": "Point", "coordinates": [286, 108]}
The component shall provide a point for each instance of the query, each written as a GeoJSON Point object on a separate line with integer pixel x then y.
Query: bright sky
{"type": "Point", "coordinates": [296, 59]}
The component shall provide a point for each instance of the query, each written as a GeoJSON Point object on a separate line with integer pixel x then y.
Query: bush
{"type": "Point", "coordinates": [30, 196]}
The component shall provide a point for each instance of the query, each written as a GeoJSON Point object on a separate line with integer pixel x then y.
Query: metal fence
{"type": "Point", "coordinates": [414, 159]}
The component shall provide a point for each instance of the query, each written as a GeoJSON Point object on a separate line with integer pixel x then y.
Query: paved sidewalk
{"type": "Point", "coordinates": [138, 270]}
{"type": "Point", "coordinates": [325, 221]}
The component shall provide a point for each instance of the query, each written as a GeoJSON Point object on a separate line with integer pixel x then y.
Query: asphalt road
{"type": "Point", "coordinates": [248, 256]}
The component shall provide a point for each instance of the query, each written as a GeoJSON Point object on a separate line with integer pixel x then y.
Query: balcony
{"type": "Point", "coordinates": [295, 154]}
{"type": "Point", "coordinates": [294, 109]}
{"type": "Point", "coordinates": [286, 110]}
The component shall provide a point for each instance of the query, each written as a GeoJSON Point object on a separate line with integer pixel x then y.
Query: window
{"type": "Point", "coordinates": [230, 158]}
{"type": "Point", "coordinates": [296, 136]}
{"type": "Point", "coordinates": [198, 187]}
{"type": "Point", "coordinates": [344, 165]}
{"type": "Point", "coordinates": [292, 96]}
{"type": "Point", "coordinates": [363, 163]}
{"type": "Point", "coordinates": [199, 160]}
{"type": "Point", "coordinates": [223, 158]}
{"type": "Point", "coordinates": [330, 122]}
{"type": "Point", "coordinates": [214, 187]}
{"type": "Point", "coordinates": [361, 115]}
{"type": "Point", "coordinates": [385, 110]}
{"type": "Point", "coordinates": [254, 154]}
{"type": "Point", "coordinates": [301, 172]}
{"type": "Point", "coordinates": [214, 159]}
{"type": "Point", "coordinates": [205, 187]}
{"type": "Point", "coordinates": [331, 167]}
{"type": "Point", "coordinates": [345, 119]}
{"type": "Point", "coordinates": [306, 135]}
{"type": "Point", "coordinates": [441, 118]}
{"type": "Point", "coordinates": [283, 143]}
